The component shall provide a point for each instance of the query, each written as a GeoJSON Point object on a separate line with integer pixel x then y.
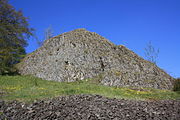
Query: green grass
{"type": "Point", "coordinates": [28, 89]}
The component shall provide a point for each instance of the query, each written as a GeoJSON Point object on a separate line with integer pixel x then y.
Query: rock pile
{"type": "Point", "coordinates": [91, 107]}
{"type": "Point", "coordinates": [80, 54]}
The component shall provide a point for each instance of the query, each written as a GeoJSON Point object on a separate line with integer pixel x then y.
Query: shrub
{"type": "Point", "coordinates": [177, 85]}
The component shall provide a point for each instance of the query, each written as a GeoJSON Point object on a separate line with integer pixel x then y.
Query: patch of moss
{"type": "Point", "coordinates": [118, 73]}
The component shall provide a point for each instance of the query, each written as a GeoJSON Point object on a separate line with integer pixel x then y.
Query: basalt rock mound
{"type": "Point", "coordinates": [80, 54]}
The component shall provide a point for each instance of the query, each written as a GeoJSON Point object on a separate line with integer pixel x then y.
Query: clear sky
{"type": "Point", "coordinates": [132, 23]}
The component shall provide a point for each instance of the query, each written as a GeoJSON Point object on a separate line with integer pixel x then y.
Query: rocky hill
{"type": "Point", "coordinates": [80, 54]}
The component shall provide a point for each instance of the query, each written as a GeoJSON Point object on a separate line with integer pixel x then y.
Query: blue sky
{"type": "Point", "coordinates": [132, 23]}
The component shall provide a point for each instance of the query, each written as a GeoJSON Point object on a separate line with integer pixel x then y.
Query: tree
{"type": "Point", "coordinates": [151, 53]}
{"type": "Point", "coordinates": [14, 32]}
{"type": "Point", "coordinates": [48, 34]}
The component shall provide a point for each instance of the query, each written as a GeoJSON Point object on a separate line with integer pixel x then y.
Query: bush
{"type": "Point", "coordinates": [4, 70]}
{"type": "Point", "coordinates": [177, 85]}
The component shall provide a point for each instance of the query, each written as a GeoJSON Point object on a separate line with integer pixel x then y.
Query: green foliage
{"type": "Point", "coordinates": [177, 85]}
{"type": "Point", "coordinates": [14, 30]}
{"type": "Point", "coordinates": [24, 88]}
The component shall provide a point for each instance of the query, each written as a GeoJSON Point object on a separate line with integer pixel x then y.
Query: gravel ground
{"type": "Point", "coordinates": [91, 107]}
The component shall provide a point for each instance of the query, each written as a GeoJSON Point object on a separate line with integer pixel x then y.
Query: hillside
{"type": "Point", "coordinates": [29, 88]}
{"type": "Point", "coordinates": [29, 98]}
{"type": "Point", "coordinates": [80, 54]}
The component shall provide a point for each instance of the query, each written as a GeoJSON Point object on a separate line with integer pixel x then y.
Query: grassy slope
{"type": "Point", "coordinates": [28, 88]}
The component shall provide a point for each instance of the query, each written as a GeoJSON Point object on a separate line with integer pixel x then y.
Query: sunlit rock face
{"type": "Point", "coordinates": [80, 54]}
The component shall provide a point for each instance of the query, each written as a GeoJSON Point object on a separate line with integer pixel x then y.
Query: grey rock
{"type": "Point", "coordinates": [80, 54]}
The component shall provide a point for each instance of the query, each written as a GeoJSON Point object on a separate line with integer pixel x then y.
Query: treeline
{"type": "Point", "coordinates": [14, 32]}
